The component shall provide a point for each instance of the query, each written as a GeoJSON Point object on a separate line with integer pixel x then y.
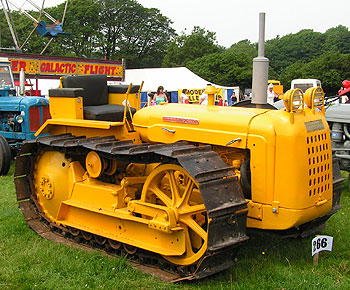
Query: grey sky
{"type": "Point", "coordinates": [237, 20]}
{"type": "Point", "coordinates": [233, 21]}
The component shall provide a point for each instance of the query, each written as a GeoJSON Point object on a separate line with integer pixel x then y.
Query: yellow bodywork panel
{"type": "Point", "coordinates": [290, 154]}
{"type": "Point", "coordinates": [174, 122]}
{"type": "Point", "coordinates": [299, 172]}
{"type": "Point", "coordinates": [71, 108]}
{"type": "Point", "coordinates": [263, 216]}
{"type": "Point", "coordinates": [121, 226]}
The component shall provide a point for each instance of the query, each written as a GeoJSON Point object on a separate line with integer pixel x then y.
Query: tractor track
{"type": "Point", "coordinates": [219, 188]}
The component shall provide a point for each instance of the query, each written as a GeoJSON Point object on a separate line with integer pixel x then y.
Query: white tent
{"type": "Point", "coordinates": [172, 79]}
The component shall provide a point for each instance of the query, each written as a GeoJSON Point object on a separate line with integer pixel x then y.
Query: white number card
{"type": "Point", "coordinates": [321, 243]}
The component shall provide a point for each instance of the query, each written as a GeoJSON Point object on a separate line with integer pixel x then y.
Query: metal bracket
{"type": "Point", "coordinates": [233, 141]}
{"type": "Point", "coordinates": [168, 130]}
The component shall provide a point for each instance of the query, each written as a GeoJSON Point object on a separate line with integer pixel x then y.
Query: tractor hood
{"type": "Point", "coordinates": [338, 113]}
{"type": "Point", "coordinates": [20, 103]}
{"type": "Point", "coordinates": [175, 122]}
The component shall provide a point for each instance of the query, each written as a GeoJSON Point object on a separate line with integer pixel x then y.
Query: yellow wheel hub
{"type": "Point", "coordinates": [51, 182]}
{"type": "Point", "coordinates": [171, 186]}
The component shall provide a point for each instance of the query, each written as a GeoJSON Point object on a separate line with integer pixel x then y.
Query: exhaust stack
{"type": "Point", "coordinates": [22, 80]}
{"type": "Point", "coordinates": [260, 68]}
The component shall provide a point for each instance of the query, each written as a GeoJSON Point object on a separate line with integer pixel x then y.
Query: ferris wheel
{"type": "Point", "coordinates": [49, 30]}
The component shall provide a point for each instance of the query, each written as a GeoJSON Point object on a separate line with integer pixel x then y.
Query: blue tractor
{"type": "Point", "coordinates": [20, 117]}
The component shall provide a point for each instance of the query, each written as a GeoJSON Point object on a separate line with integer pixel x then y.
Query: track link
{"type": "Point", "coordinates": [220, 190]}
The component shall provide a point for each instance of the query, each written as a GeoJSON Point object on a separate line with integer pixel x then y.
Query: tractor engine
{"type": "Point", "coordinates": [339, 123]}
{"type": "Point", "coordinates": [21, 117]}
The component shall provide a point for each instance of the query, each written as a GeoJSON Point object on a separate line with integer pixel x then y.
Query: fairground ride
{"type": "Point", "coordinates": [49, 30]}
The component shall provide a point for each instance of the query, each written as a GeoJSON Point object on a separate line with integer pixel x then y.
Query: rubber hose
{"type": "Point", "coordinates": [346, 131]}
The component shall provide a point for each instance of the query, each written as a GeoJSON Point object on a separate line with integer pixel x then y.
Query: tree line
{"type": "Point", "coordinates": [116, 29]}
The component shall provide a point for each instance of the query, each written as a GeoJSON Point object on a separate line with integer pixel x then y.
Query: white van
{"type": "Point", "coordinates": [304, 84]}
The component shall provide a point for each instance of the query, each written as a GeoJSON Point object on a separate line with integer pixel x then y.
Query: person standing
{"type": "Point", "coordinates": [220, 102]}
{"type": "Point", "coordinates": [184, 97]}
{"type": "Point", "coordinates": [233, 98]}
{"type": "Point", "coordinates": [160, 96]}
{"type": "Point", "coordinates": [271, 95]}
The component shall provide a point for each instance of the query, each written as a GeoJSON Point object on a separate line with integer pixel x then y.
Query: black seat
{"type": "Point", "coordinates": [109, 112]}
{"type": "Point", "coordinates": [95, 98]}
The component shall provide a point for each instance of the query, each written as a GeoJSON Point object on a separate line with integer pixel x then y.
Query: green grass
{"type": "Point", "coordinates": [28, 261]}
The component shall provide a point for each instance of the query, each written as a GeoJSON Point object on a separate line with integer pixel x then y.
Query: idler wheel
{"type": "Point", "coordinates": [51, 182]}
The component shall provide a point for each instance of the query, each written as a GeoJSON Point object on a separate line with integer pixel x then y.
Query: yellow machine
{"type": "Point", "coordinates": [174, 185]}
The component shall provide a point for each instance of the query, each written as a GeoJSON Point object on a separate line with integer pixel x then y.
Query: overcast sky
{"type": "Point", "coordinates": [237, 20]}
{"type": "Point", "coordinates": [233, 21]}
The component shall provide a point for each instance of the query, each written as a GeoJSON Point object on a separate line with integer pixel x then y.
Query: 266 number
{"type": "Point", "coordinates": [319, 243]}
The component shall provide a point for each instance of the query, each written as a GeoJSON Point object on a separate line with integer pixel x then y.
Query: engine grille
{"type": "Point", "coordinates": [318, 147]}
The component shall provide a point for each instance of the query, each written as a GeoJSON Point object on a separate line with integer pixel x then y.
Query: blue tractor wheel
{"type": "Point", "coordinates": [5, 156]}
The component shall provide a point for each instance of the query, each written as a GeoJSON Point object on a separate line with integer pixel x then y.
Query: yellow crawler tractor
{"type": "Point", "coordinates": [175, 186]}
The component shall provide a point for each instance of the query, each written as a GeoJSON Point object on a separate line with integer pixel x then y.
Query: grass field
{"type": "Point", "coordinates": [28, 261]}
